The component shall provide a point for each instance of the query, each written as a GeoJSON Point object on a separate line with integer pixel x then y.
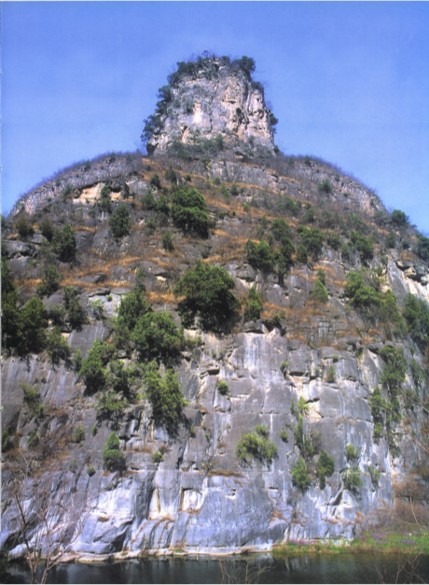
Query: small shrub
{"type": "Point", "coordinates": [157, 457]}
{"type": "Point", "coordinates": [31, 326]}
{"type": "Point", "coordinates": [311, 241]}
{"type": "Point", "coordinates": [50, 281]}
{"type": "Point", "coordinates": [120, 222]}
{"type": "Point", "coordinates": [222, 387]}
{"type": "Point", "coordinates": [57, 347]}
{"type": "Point", "coordinates": [110, 406]}
{"type": "Point", "coordinates": [167, 242]}
{"type": "Point", "coordinates": [93, 368]}
{"type": "Point", "coordinates": [75, 313]}
{"type": "Point", "coordinates": [78, 435]}
{"type": "Point", "coordinates": [398, 218]}
{"type": "Point", "coordinates": [284, 435]}
{"type": "Point", "coordinates": [24, 227]}
{"type": "Point", "coordinates": [97, 309]}
{"type": "Point", "coordinates": [256, 445]}
{"type": "Point", "coordinates": [90, 470]}
{"type": "Point", "coordinates": [253, 307]}
{"type": "Point", "coordinates": [47, 229]}
{"type": "Point", "coordinates": [331, 374]}
{"type": "Point", "coordinates": [319, 292]}
{"type": "Point", "coordinates": [155, 182]}
{"type": "Point", "coordinates": [422, 249]}
{"type": "Point", "coordinates": [351, 452]}
{"type": "Point", "coordinates": [416, 313]}
{"type": "Point", "coordinates": [262, 430]}
{"type": "Point", "coordinates": [64, 244]}
{"type": "Point", "coordinates": [165, 397]}
{"type": "Point", "coordinates": [105, 201]}
{"type": "Point", "coordinates": [300, 475]}
{"type": "Point", "coordinates": [352, 479]}
{"type": "Point", "coordinates": [32, 399]}
{"type": "Point", "coordinates": [375, 474]}
{"type": "Point", "coordinates": [364, 245]}
{"type": "Point", "coordinates": [325, 468]}
{"type": "Point", "coordinates": [325, 187]}
{"type": "Point", "coordinates": [284, 366]}
{"type": "Point", "coordinates": [113, 457]}
{"type": "Point", "coordinates": [33, 439]}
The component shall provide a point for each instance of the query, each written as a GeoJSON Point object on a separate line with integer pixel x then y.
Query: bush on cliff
{"type": "Point", "coordinates": [165, 396]}
{"type": "Point", "coordinates": [189, 212]}
{"type": "Point", "coordinates": [113, 457]}
{"type": "Point", "coordinates": [256, 445]}
{"type": "Point", "coordinates": [208, 297]}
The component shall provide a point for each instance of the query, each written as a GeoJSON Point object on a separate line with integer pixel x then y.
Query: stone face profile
{"type": "Point", "coordinates": [214, 99]}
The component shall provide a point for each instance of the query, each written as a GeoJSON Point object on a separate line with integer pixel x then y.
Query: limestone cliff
{"type": "Point", "coordinates": [327, 374]}
{"type": "Point", "coordinates": [212, 99]}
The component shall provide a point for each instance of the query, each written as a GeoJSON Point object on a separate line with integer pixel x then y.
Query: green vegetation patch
{"type": "Point", "coordinates": [256, 446]}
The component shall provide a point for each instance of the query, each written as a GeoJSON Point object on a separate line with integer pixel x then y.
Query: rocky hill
{"type": "Point", "coordinates": [214, 348]}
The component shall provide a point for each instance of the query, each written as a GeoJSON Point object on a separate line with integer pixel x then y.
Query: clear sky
{"type": "Point", "coordinates": [348, 81]}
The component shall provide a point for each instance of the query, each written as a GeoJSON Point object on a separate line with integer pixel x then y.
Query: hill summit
{"type": "Point", "coordinates": [211, 99]}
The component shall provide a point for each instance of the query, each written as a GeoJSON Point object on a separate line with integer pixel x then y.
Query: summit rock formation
{"type": "Point", "coordinates": [212, 99]}
{"type": "Point", "coordinates": [213, 348]}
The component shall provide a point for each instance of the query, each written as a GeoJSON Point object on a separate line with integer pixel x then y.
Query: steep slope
{"type": "Point", "coordinates": [306, 397]}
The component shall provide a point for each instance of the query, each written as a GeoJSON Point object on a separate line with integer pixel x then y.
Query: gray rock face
{"type": "Point", "coordinates": [199, 498]}
{"type": "Point", "coordinates": [215, 102]}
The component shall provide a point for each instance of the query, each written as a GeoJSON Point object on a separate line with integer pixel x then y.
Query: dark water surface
{"type": "Point", "coordinates": [317, 568]}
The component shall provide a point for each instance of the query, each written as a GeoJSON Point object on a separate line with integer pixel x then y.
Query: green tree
{"type": "Point", "coordinates": [398, 218]}
{"type": "Point", "coordinates": [422, 247]}
{"type": "Point", "coordinates": [47, 229]}
{"type": "Point", "coordinates": [416, 313]}
{"type": "Point", "coordinates": [364, 245]}
{"type": "Point", "coordinates": [57, 347]}
{"type": "Point", "coordinates": [64, 244]}
{"type": "Point", "coordinates": [253, 307]}
{"type": "Point", "coordinates": [120, 222]}
{"type": "Point", "coordinates": [208, 297]}
{"type": "Point", "coordinates": [394, 369]}
{"type": "Point", "coordinates": [24, 227]}
{"type": "Point", "coordinates": [311, 240]}
{"type": "Point", "coordinates": [189, 212]}
{"type": "Point", "coordinates": [156, 337]}
{"type": "Point", "coordinates": [260, 256]}
{"type": "Point", "coordinates": [165, 396]}
{"type": "Point", "coordinates": [32, 324]}
{"type": "Point", "coordinates": [93, 368]}
{"type": "Point", "coordinates": [319, 292]}
{"type": "Point", "coordinates": [76, 314]}
{"type": "Point", "coordinates": [363, 294]}
{"type": "Point", "coordinates": [105, 201]}
{"type": "Point", "coordinates": [50, 281]}
{"type": "Point", "coordinates": [133, 306]}
{"type": "Point", "coordinates": [9, 309]}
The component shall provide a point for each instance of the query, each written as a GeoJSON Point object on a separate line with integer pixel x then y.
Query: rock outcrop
{"type": "Point", "coordinates": [212, 101]}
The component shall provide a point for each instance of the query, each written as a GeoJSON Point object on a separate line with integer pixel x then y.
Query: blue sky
{"type": "Point", "coordinates": [348, 81]}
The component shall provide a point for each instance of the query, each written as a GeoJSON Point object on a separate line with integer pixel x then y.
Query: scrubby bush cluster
{"type": "Point", "coordinates": [256, 446]}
